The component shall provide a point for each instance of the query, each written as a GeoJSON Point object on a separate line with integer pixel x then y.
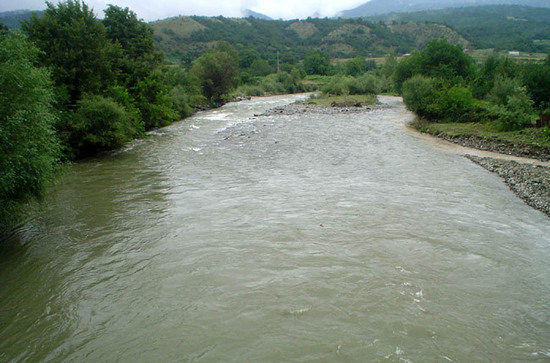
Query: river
{"type": "Point", "coordinates": [292, 238]}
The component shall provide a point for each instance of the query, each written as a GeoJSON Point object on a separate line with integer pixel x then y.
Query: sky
{"type": "Point", "coordinates": [150, 10]}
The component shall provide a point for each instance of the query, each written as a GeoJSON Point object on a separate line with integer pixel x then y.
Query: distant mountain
{"type": "Point", "coordinates": [185, 38]}
{"type": "Point", "coordinates": [250, 13]}
{"type": "Point", "coordinates": [504, 27]}
{"type": "Point", "coordinates": [12, 19]}
{"type": "Point", "coordinates": [377, 7]}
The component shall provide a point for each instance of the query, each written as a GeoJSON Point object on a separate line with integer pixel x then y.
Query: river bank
{"type": "Point", "coordinates": [529, 181]}
{"type": "Point", "coordinates": [528, 176]}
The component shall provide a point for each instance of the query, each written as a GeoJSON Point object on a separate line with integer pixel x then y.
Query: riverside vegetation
{"type": "Point", "coordinates": [74, 86]}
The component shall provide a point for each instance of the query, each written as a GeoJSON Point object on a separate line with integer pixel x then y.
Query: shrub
{"type": "Point", "coordinates": [455, 104]}
{"type": "Point", "coordinates": [418, 94]}
{"type": "Point", "coordinates": [180, 100]}
{"type": "Point", "coordinates": [99, 124]}
{"type": "Point", "coordinates": [338, 86]}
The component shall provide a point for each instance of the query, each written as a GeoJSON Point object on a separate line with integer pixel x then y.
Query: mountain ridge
{"type": "Point", "coordinates": [379, 7]}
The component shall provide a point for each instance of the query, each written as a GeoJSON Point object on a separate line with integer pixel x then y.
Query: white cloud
{"type": "Point", "coordinates": [158, 9]}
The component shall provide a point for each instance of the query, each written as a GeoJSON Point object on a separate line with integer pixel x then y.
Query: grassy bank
{"type": "Point", "coordinates": [527, 136]}
{"type": "Point", "coordinates": [329, 100]}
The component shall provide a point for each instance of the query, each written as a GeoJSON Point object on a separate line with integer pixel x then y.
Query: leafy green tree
{"type": "Point", "coordinates": [261, 67]}
{"type": "Point", "coordinates": [444, 60]}
{"type": "Point", "coordinates": [440, 60]}
{"type": "Point", "coordinates": [247, 57]}
{"type": "Point", "coordinates": [494, 66]}
{"type": "Point", "coordinates": [418, 94]}
{"type": "Point", "coordinates": [74, 45]}
{"type": "Point", "coordinates": [355, 66]}
{"type": "Point", "coordinates": [217, 73]}
{"type": "Point", "coordinates": [135, 37]}
{"type": "Point", "coordinates": [28, 146]}
{"type": "Point", "coordinates": [389, 65]}
{"type": "Point", "coordinates": [153, 97]}
{"type": "Point", "coordinates": [536, 78]}
{"type": "Point", "coordinates": [317, 62]}
{"type": "Point", "coordinates": [102, 124]}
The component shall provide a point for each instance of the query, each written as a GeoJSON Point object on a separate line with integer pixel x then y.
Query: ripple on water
{"type": "Point", "coordinates": [291, 238]}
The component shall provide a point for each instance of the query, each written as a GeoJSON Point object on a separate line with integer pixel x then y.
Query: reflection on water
{"type": "Point", "coordinates": [229, 237]}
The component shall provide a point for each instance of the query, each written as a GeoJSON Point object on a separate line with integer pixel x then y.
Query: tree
{"type": "Point", "coordinates": [28, 146]}
{"type": "Point", "coordinates": [317, 62]}
{"type": "Point", "coordinates": [102, 124]}
{"type": "Point", "coordinates": [216, 72]}
{"type": "Point", "coordinates": [135, 37]}
{"type": "Point", "coordinates": [440, 60]}
{"type": "Point", "coordinates": [355, 66]}
{"type": "Point", "coordinates": [247, 57]}
{"type": "Point", "coordinates": [261, 67]}
{"type": "Point", "coordinates": [75, 47]}
{"type": "Point", "coordinates": [536, 78]}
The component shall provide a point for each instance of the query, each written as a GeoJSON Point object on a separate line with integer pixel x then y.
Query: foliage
{"type": "Point", "coordinates": [76, 47]}
{"type": "Point", "coordinates": [325, 100]}
{"type": "Point", "coordinates": [536, 78]}
{"type": "Point", "coordinates": [317, 62]}
{"type": "Point", "coordinates": [487, 130]}
{"type": "Point", "coordinates": [418, 93]}
{"type": "Point", "coordinates": [440, 60]}
{"type": "Point", "coordinates": [100, 124]}
{"type": "Point", "coordinates": [260, 67]}
{"type": "Point", "coordinates": [454, 104]}
{"type": "Point", "coordinates": [115, 60]}
{"type": "Point", "coordinates": [157, 107]}
{"type": "Point", "coordinates": [355, 66]}
{"type": "Point", "coordinates": [346, 85]}
{"type": "Point", "coordinates": [135, 37]}
{"type": "Point", "coordinates": [28, 146]}
{"type": "Point", "coordinates": [217, 73]}
{"type": "Point", "coordinates": [494, 66]}
{"type": "Point", "coordinates": [502, 27]}
{"type": "Point", "coordinates": [389, 65]}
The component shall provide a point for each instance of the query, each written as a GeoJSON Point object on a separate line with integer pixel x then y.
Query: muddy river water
{"type": "Point", "coordinates": [290, 238]}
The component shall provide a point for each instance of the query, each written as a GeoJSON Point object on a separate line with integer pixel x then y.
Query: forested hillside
{"type": "Point", "coordinates": [187, 37]}
{"type": "Point", "coordinates": [504, 27]}
{"type": "Point", "coordinates": [379, 7]}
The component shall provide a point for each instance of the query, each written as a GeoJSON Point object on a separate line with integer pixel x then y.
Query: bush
{"type": "Point", "coordinates": [29, 148]}
{"type": "Point", "coordinates": [509, 105]}
{"type": "Point", "coordinates": [503, 88]}
{"type": "Point", "coordinates": [366, 84]}
{"type": "Point", "coordinates": [418, 94]}
{"type": "Point", "coordinates": [337, 86]}
{"type": "Point", "coordinates": [100, 124]}
{"type": "Point", "coordinates": [455, 104]}
{"type": "Point", "coordinates": [180, 100]}
{"type": "Point", "coordinates": [250, 90]}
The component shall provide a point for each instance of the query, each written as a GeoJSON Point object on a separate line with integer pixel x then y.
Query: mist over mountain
{"type": "Point", "coordinates": [250, 13]}
{"type": "Point", "coordinates": [377, 7]}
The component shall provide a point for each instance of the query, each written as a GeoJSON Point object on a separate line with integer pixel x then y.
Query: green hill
{"type": "Point", "coordinates": [187, 37]}
{"type": "Point", "coordinates": [504, 27]}
{"type": "Point", "coordinates": [12, 19]}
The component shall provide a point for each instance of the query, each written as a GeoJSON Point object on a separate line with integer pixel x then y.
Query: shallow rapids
{"type": "Point", "coordinates": [310, 237]}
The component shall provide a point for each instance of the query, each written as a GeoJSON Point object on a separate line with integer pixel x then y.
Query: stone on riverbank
{"type": "Point", "coordinates": [529, 182]}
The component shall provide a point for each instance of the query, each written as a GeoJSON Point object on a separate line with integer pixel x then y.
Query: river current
{"type": "Point", "coordinates": [293, 238]}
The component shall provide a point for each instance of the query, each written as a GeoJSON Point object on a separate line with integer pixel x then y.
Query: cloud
{"type": "Point", "coordinates": [150, 10]}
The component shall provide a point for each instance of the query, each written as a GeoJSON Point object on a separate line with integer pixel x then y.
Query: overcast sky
{"type": "Point", "coordinates": [159, 9]}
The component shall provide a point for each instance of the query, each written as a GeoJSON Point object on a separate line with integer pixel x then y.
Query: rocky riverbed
{"type": "Point", "coordinates": [297, 108]}
{"type": "Point", "coordinates": [529, 182]}
{"type": "Point", "coordinates": [499, 146]}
